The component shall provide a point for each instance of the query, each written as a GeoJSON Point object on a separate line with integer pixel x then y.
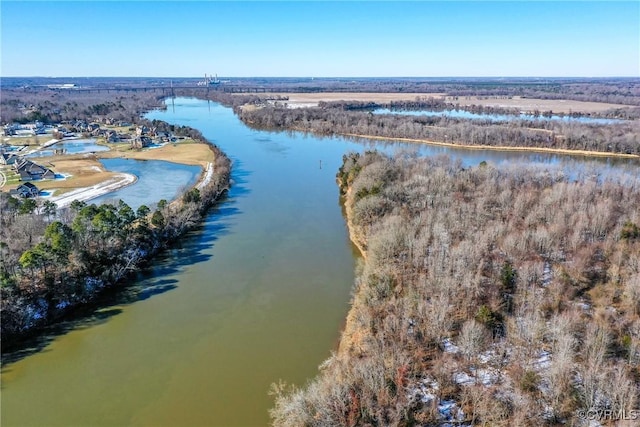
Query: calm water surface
{"type": "Point", "coordinates": [258, 293]}
{"type": "Point", "coordinates": [461, 114]}
{"type": "Point", "coordinates": [157, 180]}
{"type": "Point", "coordinates": [71, 146]}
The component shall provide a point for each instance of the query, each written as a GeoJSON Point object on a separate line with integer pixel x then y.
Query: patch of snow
{"type": "Point", "coordinates": [463, 378]}
{"type": "Point", "coordinates": [92, 283]}
{"type": "Point", "coordinates": [583, 305]}
{"type": "Point", "coordinates": [63, 304]}
{"type": "Point", "coordinates": [450, 411]}
{"type": "Point", "coordinates": [543, 361]}
{"type": "Point", "coordinates": [488, 377]}
{"type": "Point", "coordinates": [547, 274]}
{"type": "Point", "coordinates": [449, 346]}
{"type": "Point", "coordinates": [207, 177]}
{"type": "Point", "coordinates": [411, 327]}
{"type": "Point", "coordinates": [88, 193]}
{"type": "Point", "coordinates": [426, 392]}
{"type": "Point", "coordinates": [35, 312]}
{"type": "Point", "coordinates": [487, 356]}
{"type": "Point", "coordinates": [484, 376]}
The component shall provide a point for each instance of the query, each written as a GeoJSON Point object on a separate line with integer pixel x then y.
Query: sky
{"type": "Point", "coordinates": [320, 39]}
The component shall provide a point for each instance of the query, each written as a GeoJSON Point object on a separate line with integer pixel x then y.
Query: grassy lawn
{"type": "Point", "coordinates": [185, 151]}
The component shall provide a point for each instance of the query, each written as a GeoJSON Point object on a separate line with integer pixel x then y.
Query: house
{"type": "Point", "coordinates": [29, 171]}
{"type": "Point", "coordinates": [141, 142]}
{"type": "Point", "coordinates": [142, 130]}
{"type": "Point", "coordinates": [9, 130]}
{"type": "Point", "coordinates": [27, 190]}
{"type": "Point", "coordinates": [8, 158]}
{"type": "Point", "coordinates": [112, 136]}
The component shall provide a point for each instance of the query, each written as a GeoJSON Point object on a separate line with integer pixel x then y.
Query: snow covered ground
{"type": "Point", "coordinates": [208, 174]}
{"type": "Point", "coordinates": [88, 193]}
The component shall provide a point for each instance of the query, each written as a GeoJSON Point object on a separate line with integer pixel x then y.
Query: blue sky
{"type": "Point", "coordinates": [320, 39]}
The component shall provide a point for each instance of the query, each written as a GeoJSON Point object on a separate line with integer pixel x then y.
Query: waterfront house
{"type": "Point", "coordinates": [9, 130]}
{"type": "Point", "coordinates": [27, 190]}
{"type": "Point", "coordinates": [141, 142]}
{"type": "Point", "coordinates": [142, 130]}
{"type": "Point", "coordinates": [112, 136]}
{"type": "Point", "coordinates": [8, 158]}
{"type": "Point", "coordinates": [29, 171]}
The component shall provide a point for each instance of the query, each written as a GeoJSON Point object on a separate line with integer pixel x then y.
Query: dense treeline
{"type": "Point", "coordinates": [29, 99]}
{"type": "Point", "coordinates": [52, 262]}
{"type": "Point", "coordinates": [487, 297]}
{"type": "Point", "coordinates": [422, 103]}
{"type": "Point", "coordinates": [54, 106]}
{"type": "Point", "coordinates": [614, 90]}
{"type": "Point", "coordinates": [614, 138]}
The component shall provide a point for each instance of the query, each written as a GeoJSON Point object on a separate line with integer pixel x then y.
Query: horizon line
{"type": "Point", "coordinates": [333, 77]}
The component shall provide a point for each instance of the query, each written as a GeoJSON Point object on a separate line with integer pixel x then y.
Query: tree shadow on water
{"type": "Point", "coordinates": [154, 279]}
{"type": "Point", "coordinates": [82, 318]}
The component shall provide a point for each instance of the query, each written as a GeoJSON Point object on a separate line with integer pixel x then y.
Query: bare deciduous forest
{"type": "Point", "coordinates": [493, 297]}
{"type": "Point", "coordinates": [346, 119]}
{"type": "Point", "coordinates": [51, 106]}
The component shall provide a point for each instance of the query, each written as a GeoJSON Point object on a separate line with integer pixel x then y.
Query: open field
{"type": "Point", "coordinates": [531, 104]}
{"type": "Point", "coordinates": [182, 152]}
{"type": "Point", "coordinates": [525, 104]}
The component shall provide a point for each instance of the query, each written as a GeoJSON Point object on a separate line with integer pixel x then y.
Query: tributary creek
{"type": "Point", "coordinates": [257, 294]}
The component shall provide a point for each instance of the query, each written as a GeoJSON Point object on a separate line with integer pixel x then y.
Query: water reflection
{"type": "Point", "coordinates": [462, 114]}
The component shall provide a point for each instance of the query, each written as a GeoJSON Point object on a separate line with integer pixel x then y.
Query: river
{"type": "Point", "coordinates": [258, 293]}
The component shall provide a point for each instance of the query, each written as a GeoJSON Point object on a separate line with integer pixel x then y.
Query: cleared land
{"type": "Point", "coordinates": [525, 104]}
{"type": "Point", "coordinates": [312, 99]}
{"type": "Point", "coordinates": [531, 104]}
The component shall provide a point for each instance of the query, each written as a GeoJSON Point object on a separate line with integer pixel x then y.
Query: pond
{"type": "Point", "coordinates": [157, 180]}
{"type": "Point", "coordinates": [71, 146]}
